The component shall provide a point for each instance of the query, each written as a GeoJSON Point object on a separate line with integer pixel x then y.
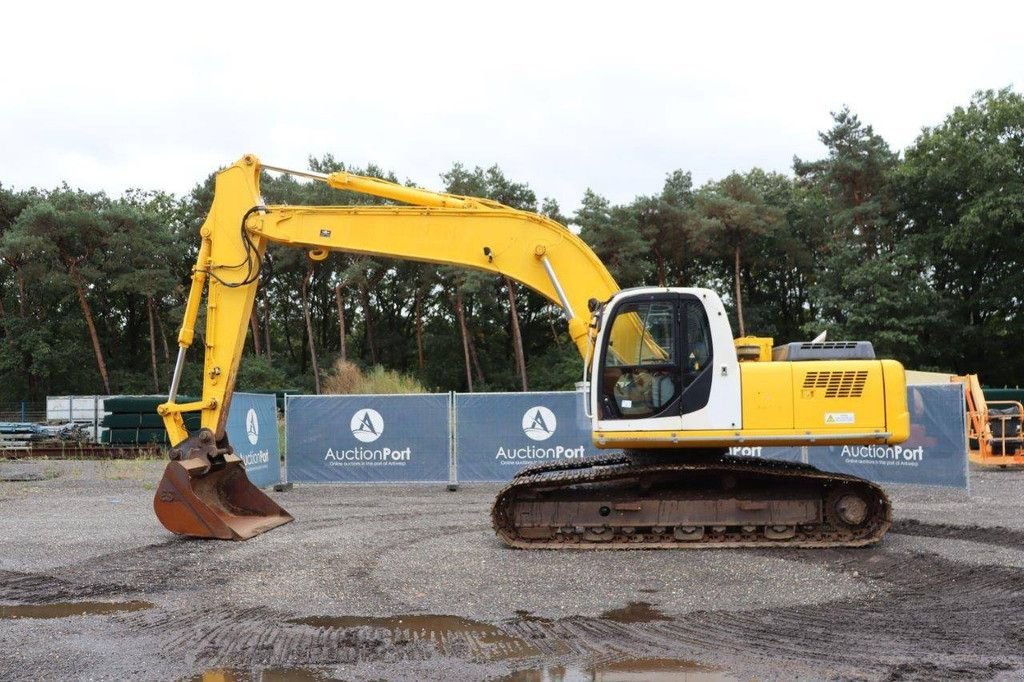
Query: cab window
{"type": "Point", "coordinates": [698, 337]}
{"type": "Point", "coordinates": [641, 375]}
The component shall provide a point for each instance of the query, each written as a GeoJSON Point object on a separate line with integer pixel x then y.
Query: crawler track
{"type": "Point", "coordinates": [633, 501]}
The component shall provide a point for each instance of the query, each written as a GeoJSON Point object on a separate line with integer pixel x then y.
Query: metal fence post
{"type": "Point", "coordinates": [284, 485]}
{"type": "Point", "coordinates": [967, 442]}
{"type": "Point", "coordinates": [284, 441]}
{"type": "Point", "coordinates": [453, 455]}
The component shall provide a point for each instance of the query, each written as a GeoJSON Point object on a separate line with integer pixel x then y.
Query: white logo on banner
{"type": "Point", "coordinates": [252, 426]}
{"type": "Point", "coordinates": [367, 425]}
{"type": "Point", "coordinates": [539, 423]}
{"type": "Point", "coordinates": [884, 454]}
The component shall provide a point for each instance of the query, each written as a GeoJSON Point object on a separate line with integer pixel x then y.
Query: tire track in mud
{"type": "Point", "coordinates": [908, 623]}
{"type": "Point", "coordinates": [925, 617]}
{"type": "Point", "coordinates": [41, 588]}
{"type": "Point", "coordinates": [954, 620]}
{"type": "Point", "coordinates": [406, 539]}
{"type": "Point", "coordinates": [152, 569]}
{"type": "Point", "coordinates": [326, 523]}
{"type": "Point", "coordinates": [227, 637]}
{"type": "Point", "coordinates": [988, 535]}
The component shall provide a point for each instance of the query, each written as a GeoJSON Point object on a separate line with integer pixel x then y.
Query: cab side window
{"type": "Point", "coordinates": [698, 337]}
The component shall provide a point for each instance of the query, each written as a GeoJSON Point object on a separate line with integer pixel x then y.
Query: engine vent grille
{"type": "Point", "coordinates": [828, 345]}
{"type": "Point", "coordinates": [848, 384]}
{"type": "Point", "coordinates": [823, 350]}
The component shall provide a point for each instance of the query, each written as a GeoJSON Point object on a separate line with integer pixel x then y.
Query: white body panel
{"type": "Point", "coordinates": [724, 409]}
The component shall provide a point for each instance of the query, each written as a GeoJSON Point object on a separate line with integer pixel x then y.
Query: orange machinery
{"type": "Point", "coordinates": [993, 427]}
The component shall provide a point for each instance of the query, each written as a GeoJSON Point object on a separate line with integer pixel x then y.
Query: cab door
{"type": "Point", "coordinates": [657, 366]}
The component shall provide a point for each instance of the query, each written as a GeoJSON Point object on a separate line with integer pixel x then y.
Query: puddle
{"type": "Point", "coordinates": [636, 670]}
{"type": "Point", "coordinates": [286, 674]}
{"type": "Point", "coordinates": [439, 625]}
{"type": "Point", "coordinates": [66, 609]}
{"type": "Point", "coordinates": [489, 641]}
{"type": "Point", "coordinates": [293, 675]}
{"type": "Point", "coordinates": [635, 612]}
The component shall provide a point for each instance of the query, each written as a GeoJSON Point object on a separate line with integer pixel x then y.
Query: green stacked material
{"type": "Point", "coordinates": [133, 420]}
{"type": "Point", "coordinates": [144, 421]}
{"type": "Point", "coordinates": [145, 404]}
{"type": "Point", "coordinates": [1004, 394]}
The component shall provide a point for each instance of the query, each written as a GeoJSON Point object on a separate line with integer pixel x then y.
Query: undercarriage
{"type": "Point", "coordinates": [687, 499]}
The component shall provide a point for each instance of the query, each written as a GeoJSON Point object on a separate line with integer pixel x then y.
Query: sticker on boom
{"type": "Point", "coordinates": [839, 417]}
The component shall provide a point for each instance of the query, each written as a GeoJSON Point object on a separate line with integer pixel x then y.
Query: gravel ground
{"type": "Point", "coordinates": [399, 582]}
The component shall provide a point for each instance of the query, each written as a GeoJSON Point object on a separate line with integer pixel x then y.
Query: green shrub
{"type": "Point", "coordinates": [346, 378]}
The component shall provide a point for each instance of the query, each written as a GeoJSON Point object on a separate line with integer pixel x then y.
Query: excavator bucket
{"type": "Point", "coordinates": [213, 498]}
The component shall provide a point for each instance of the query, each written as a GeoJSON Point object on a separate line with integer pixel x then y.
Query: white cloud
{"type": "Point", "coordinates": [563, 95]}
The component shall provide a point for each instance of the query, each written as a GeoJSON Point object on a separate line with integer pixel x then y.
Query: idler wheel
{"type": "Point", "coordinates": [847, 508]}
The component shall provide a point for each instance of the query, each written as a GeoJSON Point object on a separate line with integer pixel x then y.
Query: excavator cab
{"type": "Point", "coordinates": [657, 357]}
{"type": "Point", "coordinates": [656, 353]}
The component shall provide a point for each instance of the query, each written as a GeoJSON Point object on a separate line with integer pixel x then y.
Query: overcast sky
{"type": "Point", "coordinates": [565, 96]}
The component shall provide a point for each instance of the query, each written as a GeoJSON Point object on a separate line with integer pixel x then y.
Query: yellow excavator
{"type": "Point", "coordinates": [669, 388]}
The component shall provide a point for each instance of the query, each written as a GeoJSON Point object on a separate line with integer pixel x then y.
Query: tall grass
{"type": "Point", "coordinates": [346, 378]}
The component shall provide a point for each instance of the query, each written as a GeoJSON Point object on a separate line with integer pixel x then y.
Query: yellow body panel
{"type": "Point", "coordinates": [849, 402]}
{"type": "Point", "coordinates": [767, 389]}
{"type": "Point", "coordinates": [838, 395]}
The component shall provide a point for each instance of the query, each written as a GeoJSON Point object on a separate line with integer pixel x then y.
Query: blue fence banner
{"type": "Point", "coordinates": [368, 438]}
{"type": "Point", "coordinates": [252, 431]}
{"type": "Point", "coordinates": [477, 437]}
{"type": "Point", "coordinates": [498, 434]}
{"type": "Point", "coordinates": [786, 454]}
{"type": "Point", "coordinates": [935, 453]}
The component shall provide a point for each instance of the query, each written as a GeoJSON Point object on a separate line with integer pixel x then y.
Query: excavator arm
{"type": "Point", "coordinates": [430, 227]}
{"type": "Point", "coordinates": [437, 228]}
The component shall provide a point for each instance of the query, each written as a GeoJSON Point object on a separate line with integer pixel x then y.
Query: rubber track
{"type": "Point", "coordinates": [616, 468]}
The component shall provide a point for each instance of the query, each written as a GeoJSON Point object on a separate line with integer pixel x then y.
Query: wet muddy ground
{"type": "Point", "coordinates": [409, 582]}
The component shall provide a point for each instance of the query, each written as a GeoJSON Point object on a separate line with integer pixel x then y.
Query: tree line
{"type": "Point", "coordinates": [918, 252]}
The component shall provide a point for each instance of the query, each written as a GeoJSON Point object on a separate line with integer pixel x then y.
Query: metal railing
{"type": "Point", "coordinates": [23, 411]}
